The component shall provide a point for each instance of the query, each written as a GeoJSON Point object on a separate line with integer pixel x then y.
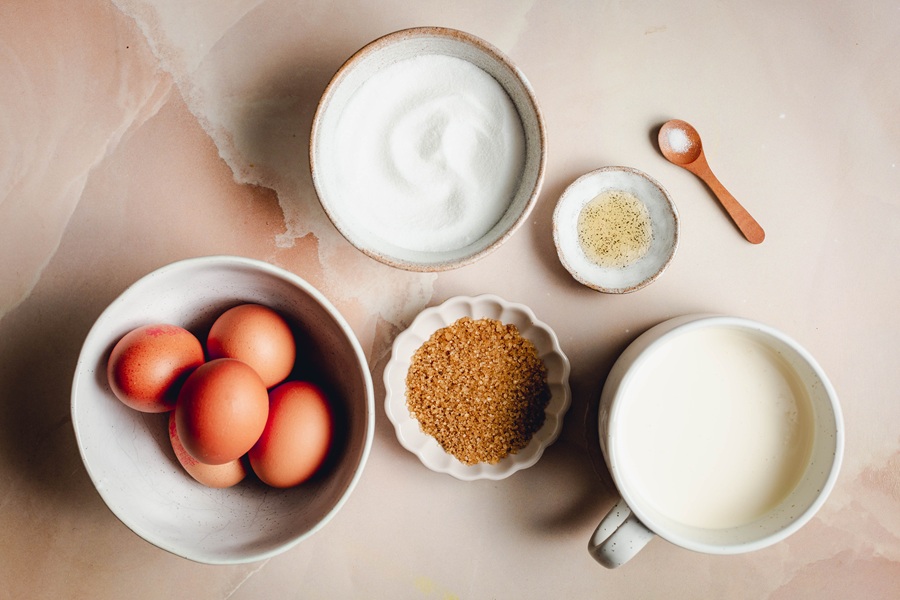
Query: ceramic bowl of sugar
{"type": "Point", "coordinates": [615, 229]}
{"type": "Point", "coordinates": [428, 149]}
{"type": "Point", "coordinates": [458, 387]}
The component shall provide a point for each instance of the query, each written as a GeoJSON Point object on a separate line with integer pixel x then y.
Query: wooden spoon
{"type": "Point", "coordinates": [680, 144]}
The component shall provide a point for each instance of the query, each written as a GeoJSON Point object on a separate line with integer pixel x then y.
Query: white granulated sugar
{"type": "Point", "coordinates": [429, 152]}
{"type": "Point", "coordinates": [678, 140]}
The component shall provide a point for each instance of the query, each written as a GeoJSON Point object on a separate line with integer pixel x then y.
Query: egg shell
{"type": "Point", "coordinates": [297, 437]}
{"type": "Point", "coordinates": [221, 411]}
{"type": "Point", "coordinates": [214, 476]}
{"type": "Point", "coordinates": [257, 335]}
{"type": "Point", "coordinates": [148, 365]}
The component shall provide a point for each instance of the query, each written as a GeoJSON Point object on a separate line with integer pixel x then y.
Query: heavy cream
{"type": "Point", "coordinates": [716, 430]}
{"type": "Point", "coordinates": [429, 154]}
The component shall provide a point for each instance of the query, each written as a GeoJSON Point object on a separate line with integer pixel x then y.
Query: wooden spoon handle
{"type": "Point", "coordinates": [744, 221]}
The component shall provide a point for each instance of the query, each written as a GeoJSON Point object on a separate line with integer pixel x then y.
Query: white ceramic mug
{"type": "Point", "coordinates": [722, 435]}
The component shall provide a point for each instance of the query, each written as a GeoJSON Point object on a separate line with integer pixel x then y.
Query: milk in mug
{"type": "Point", "coordinates": [715, 430]}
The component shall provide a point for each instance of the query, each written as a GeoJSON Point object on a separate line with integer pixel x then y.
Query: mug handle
{"type": "Point", "coordinates": [618, 537]}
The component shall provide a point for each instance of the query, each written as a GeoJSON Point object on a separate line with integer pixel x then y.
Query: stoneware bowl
{"type": "Point", "coordinates": [324, 155]}
{"type": "Point", "coordinates": [663, 219]}
{"type": "Point", "coordinates": [425, 447]}
{"type": "Point", "coordinates": [128, 454]}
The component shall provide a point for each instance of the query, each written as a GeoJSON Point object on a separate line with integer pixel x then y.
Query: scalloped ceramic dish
{"type": "Point", "coordinates": [430, 320]}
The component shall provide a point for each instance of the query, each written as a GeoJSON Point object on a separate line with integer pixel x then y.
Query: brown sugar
{"type": "Point", "coordinates": [479, 388]}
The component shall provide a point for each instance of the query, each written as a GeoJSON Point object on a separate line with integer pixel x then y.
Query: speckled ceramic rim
{"type": "Point", "coordinates": [566, 197]}
{"type": "Point", "coordinates": [530, 101]}
{"type": "Point", "coordinates": [629, 366]}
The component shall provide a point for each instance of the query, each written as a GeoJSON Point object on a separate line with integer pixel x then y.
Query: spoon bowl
{"type": "Point", "coordinates": [680, 143]}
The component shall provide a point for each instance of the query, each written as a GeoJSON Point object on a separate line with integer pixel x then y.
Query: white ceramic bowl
{"type": "Point", "coordinates": [663, 219]}
{"type": "Point", "coordinates": [128, 455]}
{"type": "Point", "coordinates": [324, 154]}
{"type": "Point", "coordinates": [423, 326]}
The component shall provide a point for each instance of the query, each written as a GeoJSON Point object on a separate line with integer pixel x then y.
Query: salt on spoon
{"type": "Point", "coordinates": [680, 143]}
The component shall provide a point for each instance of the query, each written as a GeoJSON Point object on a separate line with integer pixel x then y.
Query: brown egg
{"type": "Point", "coordinates": [215, 476]}
{"type": "Point", "coordinates": [148, 365]}
{"type": "Point", "coordinates": [297, 436]}
{"type": "Point", "coordinates": [221, 411]}
{"type": "Point", "coordinates": [257, 335]}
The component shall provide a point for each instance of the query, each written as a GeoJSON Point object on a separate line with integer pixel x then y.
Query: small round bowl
{"type": "Point", "coordinates": [325, 154]}
{"type": "Point", "coordinates": [423, 326]}
{"type": "Point", "coordinates": [663, 220]}
{"type": "Point", "coordinates": [128, 454]}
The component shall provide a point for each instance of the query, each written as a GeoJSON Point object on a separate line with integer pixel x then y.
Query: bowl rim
{"type": "Point", "coordinates": [566, 198]}
{"type": "Point", "coordinates": [395, 402]}
{"type": "Point", "coordinates": [83, 369]}
{"type": "Point", "coordinates": [379, 44]}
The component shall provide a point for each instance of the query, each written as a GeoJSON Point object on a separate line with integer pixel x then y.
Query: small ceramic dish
{"type": "Point", "coordinates": [423, 326]}
{"type": "Point", "coordinates": [664, 226]}
{"type": "Point", "coordinates": [373, 229]}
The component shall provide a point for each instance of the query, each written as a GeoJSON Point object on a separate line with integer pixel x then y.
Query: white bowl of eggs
{"type": "Point", "coordinates": [223, 409]}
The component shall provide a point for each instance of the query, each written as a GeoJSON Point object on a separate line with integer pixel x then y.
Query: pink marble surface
{"type": "Point", "coordinates": [137, 132]}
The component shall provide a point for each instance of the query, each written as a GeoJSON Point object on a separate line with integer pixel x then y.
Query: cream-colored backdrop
{"type": "Point", "coordinates": [138, 132]}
